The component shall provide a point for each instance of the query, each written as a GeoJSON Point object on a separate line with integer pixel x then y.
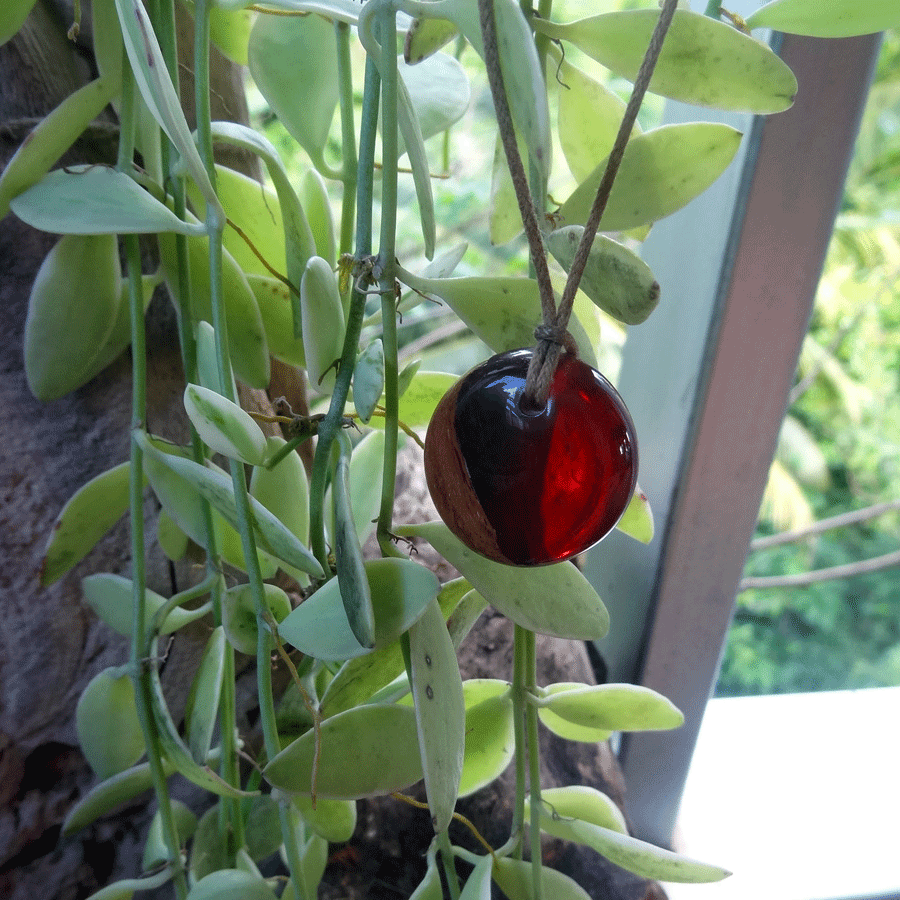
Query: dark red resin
{"type": "Point", "coordinates": [530, 488]}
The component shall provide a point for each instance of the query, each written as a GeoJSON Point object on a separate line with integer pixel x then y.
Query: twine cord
{"type": "Point", "coordinates": [552, 335]}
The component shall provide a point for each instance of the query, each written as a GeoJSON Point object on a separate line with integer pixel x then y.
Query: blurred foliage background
{"type": "Point", "coordinates": [839, 448]}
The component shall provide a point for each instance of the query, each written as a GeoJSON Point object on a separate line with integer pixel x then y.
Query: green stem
{"type": "Point", "coordinates": [713, 9]}
{"type": "Point", "coordinates": [534, 765]}
{"type": "Point", "coordinates": [387, 33]}
{"type": "Point", "coordinates": [348, 137]}
{"type": "Point", "coordinates": [233, 821]}
{"type": "Point", "coordinates": [443, 840]}
{"type": "Point", "coordinates": [140, 674]}
{"type": "Point", "coordinates": [328, 427]}
{"type": "Point", "coordinates": [519, 690]}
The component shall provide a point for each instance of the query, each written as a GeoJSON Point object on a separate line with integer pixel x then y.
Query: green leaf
{"type": "Point", "coordinates": [490, 733]}
{"type": "Point", "coordinates": [440, 712]}
{"type": "Point", "coordinates": [173, 541]}
{"type": "Point", "coordinates": [125, 889]}
{"type": "Point", "coordinates": [156, 853]}
{"type": "Point", "coordinates": [68, 326]}
{"type": "Point", "coordinates": [334, 10]}
{"type": "Point", "coordinates": [231, 884]}
{"type": "Point", "coordinates": [361, 677]}
{"type": "Point", "coordinates": [110, 596]}
{"type": "Point", "coordinates": [503, 311]}
{"type": "Point", "coordinates": [95, 200]}
{"type": "Point", "coordinates": [612, 707]}
{"type": "Point", "coordinates": [837, 19]}
{"type": "Point", "coordinates": [229, 30]}
{"type": "Point", "coordinates": [217, 488]}
{"type": "Point", "coordinates": [522, 76]}
{"type": "Point", "coordinates": [411, 135]}
{"type": "Point", "coordinates": [637, 520]}
{"type": "Point", "coordinates": [208, 852]}
{"type": "Point", "coordinates": [274, 300]}
{"type": "Point", "coordinates": [12, 14]}
{"type": "Point", "coordinates": [478, 884]}
{"type": "Point", "coordinates": [703, 61]}
{"type": "Point", "coordinates": [419, 400]}
{"type": "Point", "coordinates": [646, 860]}
{"type": "Point", "coordinates": [400, 591]}
{"type": "Point", "coordinates": [504, 218]}
{"type": "Point", "coordinates": [202, 711]}
{"type": "Point", "coordinates": [246, 336]}
{"type": "Point", "coordinates": [425, 37]}
{"type": "Point", "coordinates": [54, 134]}
{"type": "Point", "coordinates": [239, 614]}
{"type": "Point", "coordinates": [298, 239]}
{"type": "Point", "coordinates": [562, 804]}
{"type": "Point", "coordinates": [514, 878]}
{"type": "Point", "coordinates": [223, 426]}
{"type": "Point", "coordinates": [284, 491]}
{"type": "Point", "coordinates": [364, 752]}
{"type": "Point", "coordinates": [109, 698]}
{"type": "Point", "coordinates": [323, 323]}
{"type": "Point", "coordinates": [314, 196]}
{"type": "Point", "coordinates": [111, 794]}
{"type": "Point", "coordinates": [662, 171]}
{"type": "Point", "coordinates": [368, 379]}
{"type": "Point", "coordinates": [565, 729]}
{"type": "Point", "coordinates": [588, 120]}
{"type": "Point", "coordinates": [285, 52]}
{"type": "Point", "coordinates": [255, 209]}
{"type": "Point", "coordinates": [439, 91]}
{"type": "Point", "coordinates": [429, 888]}
{"type": "Point", "coordinates": [615, 278]}
{"type": "Point", "coordinates": [88, 514]}
{"type": "Point", "coordinates": [556, 600]}
{"type": "Point", "coordinates": [262, 828]}
{"type": "Point", "coordinates": [158, 92]}
{"type": "Point", "coordinates": [352, 578]}
{"type": "Point", "coordinates": [334, 820]}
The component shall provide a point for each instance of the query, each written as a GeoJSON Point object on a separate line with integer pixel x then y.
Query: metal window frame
{"type": "Point", "coordinates": [707, 380]}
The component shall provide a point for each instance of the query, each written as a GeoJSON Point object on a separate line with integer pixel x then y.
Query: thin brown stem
{"type": "Point", "coordinates": [850, 570]}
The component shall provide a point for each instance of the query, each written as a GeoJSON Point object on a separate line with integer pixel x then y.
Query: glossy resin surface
{"type": "Point", "coordinates": [531, 487]}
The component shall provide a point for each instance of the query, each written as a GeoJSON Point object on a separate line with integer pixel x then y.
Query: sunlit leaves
{"type": "Point", "coordinates": [490, 736]}
{"type": "Point", "coordinates": [839, 18]}
{"type": "Point", "coordinates": [286, 52]}
{"type": "Point", "coordinates": [615, 278]}
{"type": "Point", "coordinates": [703, 61]}
{"type": "Point", "coordinates": [662, 170]}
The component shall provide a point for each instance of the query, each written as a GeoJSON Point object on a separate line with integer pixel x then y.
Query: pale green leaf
{"type": "Point", "coordinates": [364, 752]}
{"type": "Point", "coordinates": [223, 426]}
{"type": "Point", "coordinates": [555, 600]}
{"type": "Point", "coordinates": [637, 520]}
{"type": "Point", "coordinates": [703, 61]}
{"type": "Point", "coordinates": [202, 711]}
{"type": "Point", "coordinates": [334, 820]}
{"type": "Point", "coordinates": [615, 278]}
{"type": "Point", "coordinates": [95, 200]}
{"type": "Point", "coordinates": [615, 707]}
{"type": "Point", "coordinates": [490, 733]}
{"type": "Point", "coordinates": [231, 884]}
{"type": "Point", "coordinates": [514, 878]}
{"type": "Point", "coordinates": [577, 801]}
{"type": "Point", "coordinates": [440, 712]}
{"type": "Point", "coordinates": [836, 19]}
{"type": "Point", "coordinates": [662, 171]}
{"type": "Point", "coordinates": [400, 591]}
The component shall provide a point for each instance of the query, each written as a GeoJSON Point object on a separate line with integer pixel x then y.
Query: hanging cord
{"type": "Point", "coordinates": [552, 334]}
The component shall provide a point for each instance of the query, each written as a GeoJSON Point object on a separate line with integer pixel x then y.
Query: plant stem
{"type": "Point", "coordinates": [348, 137]}
{"type": "Point", "coordinates": [713, 9]}
{"type": "Point", "coordinates": [534, 765]}
{"type": "Point", "coordinates": [387, 33]}
{"type": "Point", "coordinates": [140, 674]}
{"type": "Point", "coordinates": [328, 427]}
{"type": "Point", "coordinates": [449, 864]}
{"type": "Point", "coordinates": [519, 701]}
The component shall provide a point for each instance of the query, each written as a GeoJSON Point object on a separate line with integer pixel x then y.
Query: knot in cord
{"type": "Point", "coordinates": [556, 334]}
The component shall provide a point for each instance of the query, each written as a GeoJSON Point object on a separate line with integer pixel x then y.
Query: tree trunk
{"type": "Point", "coordinates": [51, 644]}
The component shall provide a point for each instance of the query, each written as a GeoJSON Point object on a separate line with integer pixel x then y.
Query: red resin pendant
{"type": "Point", "coordinates": [528, 488]}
